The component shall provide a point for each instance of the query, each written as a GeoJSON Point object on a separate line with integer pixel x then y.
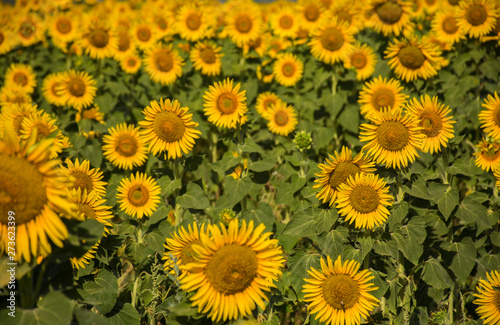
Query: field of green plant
{"type": "Point", "coordinates": [197, 162]}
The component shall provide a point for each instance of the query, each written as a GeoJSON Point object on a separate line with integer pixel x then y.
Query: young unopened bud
{"type": "Point", "coordinates": [226, 216]}
{"type": "Point", "coordinates": [303, 140]}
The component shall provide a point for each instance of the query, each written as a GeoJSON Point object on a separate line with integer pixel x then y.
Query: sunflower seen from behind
{"type": "Point", "coordinates": [488, 298]}
{"type": "Point", "coordinates": [338, 294]}
{"type": "Point", "coordinates": [224, 104]}
{"type": "Point", "coordinates": [381, 93]}
{"type": "Point", "coordinates": [392, 138]}
{"type": "Point", "coordinates": [124, 147]}
{"type": "Point", "coordinates": [282, 119]}
{"type": "Point", "coordinates": [163, 64]}
{"type": "Point", "coordinates": [138, 195]}
{"type": "Point", "coordinates": [476, 17]}
{"type": "Point", "coordinates": [336, 170]}
{"type": "Point", "coordinates": [489, 117]}
{"type": "Point", "coordinates": [168, 128]}
{"type": "Point", "coordinates": [435, 120]}
{"type": "Point", "coordinates": [77, 89]}
{"type": "Point", "coordinates": [288, 69]}
{"type": "Point", "coordinates": [206, 57]}
{"type": "Point", "coordinates": [232, 270]}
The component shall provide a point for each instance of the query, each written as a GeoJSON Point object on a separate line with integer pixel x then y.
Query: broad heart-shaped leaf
{"type": "Point", "coordinates": [236, 189]}
{"type": "Point", "coordinates": [435, 275]}
{"type": "Point", "coordinates": [471, 210]}
{"type": "Point", "coordinates": [127, 315]}
{"type": "Point", "coordinates": [299, 263]}
{"type": "Point", "coordinates": [410, 238]}
{"type": "Point", "coordinates": [227, 161]}
{"type": "Point", "coordinates": [262, 165]}
{"type": "Point", "coordinates": [465, 259]}
{"type": "Point", "coordinates": [445, 196]}
{"type": "Point", "coordinates": [87, 317]}
{"type": "Point", "coordinates": [263, 214]}
{"type": "Point", "coordinates": [102, 292]}
{"type": "Point", "coordinates": [334, 242]}
{"type": "Point", "coordinates": [53, 309]}
{"type": "Point", "coordinates": [398, 214]}
{"type": "Point", "coordinates": [194, 198]}
{"type": "Point", "coordinates": [310, 222]}
{"type": "Point", "coordinates": [324, 219]}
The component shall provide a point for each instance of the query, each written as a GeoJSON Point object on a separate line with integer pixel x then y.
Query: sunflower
{"type": "Point", "coordinates": [7, 40]}
{"type": "Point", "coordinates": [180, 247]}
{"type": "Point", "coordinates": [193, 23]}
{"type": "Point", "coordinates": [126, 45]}
{"type": "Point", "coordinates": [393, 139]}
{"type": "Point", "coordinates": [413, 58]}
{"type": "Point", "coordinates": [10, 96]}
{"type": "Point", "coordinates": [224, 104]}
{"type": "Point", "coordinates": [338, 293]}
{"type": "Point", "coordinates": [380, 93]}
{"type": "Point", "coordinates": [232, 269]}
{"type": "Point", "coordinates": [363, 199]}
{"type": "Point", "coordinates": [21, 76]}
{"type": "Point", "coordinates": [337, 170]}
{"type": "Point", "coordinates": [14, 115]}
{"type": "Point", "coordinates": [264, 103]}
{"type": "Point", "coordinates": [288, 69]}
{"type": "Point", "coordinates": [36, 206]}
{"type": "Point", "coordinates": [276, 45]}
{"type": "Point", "coordinates": [490, 116]}
{"type": "Point", "coordinates": [244, 24]}
{"type": "Point", "coordinates": [476, 17]}
{"type": "Point", "coordinates": [40, 125]}
{"type": "Point", "coordinates": [435, 122]}
{"type": "Point", "coordinates": [93, 113]}
{"type": "Point", "coordinates": [77, 88]}
{"type": "Point", "coordinates": [488, 298]}
{"type": "Point", "coordinates": [488, 155]}
{"type": "Point", "coordinates": [345, 11]}
{"type": "Point", "coordinates": [49, 89]}
{"type": "Point", "coordinates": [98, 39]}
{"type": "Point", "coordinates": [332, 41]}
{"type": "Point", "coordinates": [168, 127]}
{"type": "Point", "coordinates": [144, 35]}
{"type": "Point", "coordinates": [282, 119]}
{"type": "Point", "coordinates": [389, 16]}
{"type": "Point", "coordinates": [445, 27]}
{"type": "Point", "coordinates": [138, 195]}
{"type": "Point", "coordinates": [80, 262]}
{"type": "Point", "coordinates": [83, 177]}
{"type": "Point", "coordinates": [284, 22]}
{"type": "Point", "coordinates": [29, 29]}
{"type": "Point", "coordinates": [130, 63]}
{"type": "Point", "coordinates": [312, 14]}
{"type": "Point", "coordinates": [90, 205]}
{"type": "Point", "coordinates": [163, 64]}
{"type": "Point", "coordinates": [63, 27]}
{"type": "Point", "coordinates": [363, 59]}
{"type": "Point", "coordinates": [124, 147]}
{"type": "Point", "coordinates": [206, 56]}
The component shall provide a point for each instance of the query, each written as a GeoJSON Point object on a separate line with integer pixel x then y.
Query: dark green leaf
{"type": "Point", "coordinates": [410, 238]}
{"type": "Point", "coordinates": [299, 263]}
{"type": "Point", "coordinates": [194, 198]}
{"type": "Point", "coordinates": [236, 189]}
{"type": "Point", "coordinates": [127, 315]}
{"type": "Point", "coordinates": [435, 275]}
{"type": "Point", "coordinates": [302, 224]}
{"type": "Point", "coordinates": [465, 259]}
{"type": "Point", "coordinates": [262, 165]}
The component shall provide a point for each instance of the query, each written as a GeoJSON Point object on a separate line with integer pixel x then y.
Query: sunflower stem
{"type": "Point", "coordinates": [445, 156]}
{"type": "Point", "coordinates": [399, 186]}
{"type": "Point", "coordinates": [177, 176]}
{"type": "Point", "coordinates": [134, 291]}
{"type": "Point", "coordinates": [26, 291]}
{"type": "Point", "coordinates": [39, 279]}
{"type": "Point", "coordinates": [213, 144]}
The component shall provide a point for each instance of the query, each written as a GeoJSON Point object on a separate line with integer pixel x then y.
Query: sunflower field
{"type": "Point", "coordinates": [203, 162]}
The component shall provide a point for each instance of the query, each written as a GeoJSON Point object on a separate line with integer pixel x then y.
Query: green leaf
{"type": "Point", "coordinates": [262, 165]}
{"type": "Point", "coordinates": [250, 146]}
{"type": "Point", "coordinates": [302, 224]}
{"type": "Point", "coordinates": [299, 264]}
{"type": "Point", "coordinates": [168, 186]}
{"type": "Point", "coordinates": [433, 221]}
{"type": "Point", "coordinates": [194, 198]}
{"type": "Point", "coordinates": [227, 161]}
{"type": "Point", "coordinates": [465, 259]}
{"type": "Point", "coordinates": [447, 201]}
{"type": "Point", "coordinates": [127, 315]}
{"type": "Point", "coordinates": [333, 242]}
{"type": "Point", "coordinates": [418, 189]}
{"type": "Point", "coordinates": [287, 241]}
{"type": "Point", "coordinates": [398, 214]}
{"type": "Point", "coordinates": [435, 275]}
{"type": "Point", "coordinates": [263, 214]}
{"type": "Point", "coordinates": [410, 238]}
{"type": "Point", "coordinates": [87, 317]}
{"type": "Point", "coordinates": [102, 292]}
{"type": "Point", "coordinates": [236, 189]}
{"type": "Point", "coordinates": [93, 153]}
{"type": "Point", "coordinates": [324, 219]}
{"type": "Point", "coordinates": [366, 242]}
{"type": "Point", "coordinates": [386, 248]}
{"type": "Point", "coordinates": [349, 118]}
{"type": "Point", "coordinates": [471, 210]}
{"type": "Point", "coordinates": [155, 240]}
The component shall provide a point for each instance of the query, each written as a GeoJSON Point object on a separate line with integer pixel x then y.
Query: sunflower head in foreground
{"type": "Point", "coordinates": [490, 116]}
{"type": "Point", "coordinates": [488, 155]}
{"type": "Point", "coordinates": [338, 293]}
{"type": "Point", "coordinates": [393, 138]}
{"type": "Point", "coordinates": [488, 298]}
{"type": "Point", "coordinates": [476, 17]}
{"type": "Point", "coordinates": [138, 195]}
{"type": "Point", "coordinates": [336, 170]}
{"type": "Point", "coordinates": [180, 247]}
{"type": "Point", "coordinates": [232, 269]}
{"type": "Point", "coordinates": [288, 69]}
{"type": "Point", "coordinates": [225, 105]}
{"type": "Point", "coordinates": [168, 127]}
{"type": "Point", "coordinates": [363, 199]}
{"type": "Point", "coordinates": [282, 119]}
{"type": "Point", "coordinates": [77, 89]}
{"type": "Point", "coordinates": [435, 121]}
{"type": "Point", "coordinates": [32, 187]}
{"type": "Point", "coordinates": [124, 147]}
{"type": "Point", "coordinates": [381, 93]}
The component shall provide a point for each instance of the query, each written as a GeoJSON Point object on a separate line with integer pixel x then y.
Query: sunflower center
{"type": "Point", "coordinates": [392, 136]}
{"type": "Point", "coordinates": [76, 87]}
{"type": "Point", "coordinates": [267, 103]}
{"type": "Point", "coordinates": [22, 189]}
{"type": "Point", "coordinates": [89, 114]}
{"type": "Point", "coordinates": [99, 38]}
{"type": "Point", "coordinates": [169, 127]}
{"type": "Point", "coordinates": [286, 22]}
{"type": "Point", "coordinates": [332, 39]}
{"type": "Point", "coordinates": [232, 269]}
{"type": "Point", "coordinates": [476, 15]}
{"type": "Point", "coordinates": [187, 253]}
{"type": "Point", "coordinates": [27, 29]}
{"type": "Point", "coordinates": [243, 24]}
{"type": "Point", "coordinates": [450, 25]}
{"type": "Point", "coordinates": [453, 2]}
{"type": "Point", "coordinates": [431, 123]}
{"type": "Point", "coordinates": [2, 37]}
{"type": "Point", "coordinates": [82, 181]}
{"type": "Point", "coordinates": [161, 23]}
{"type": "Point", "coordinates": [288, 69]}
{"type": "Point", "coordinates": [389, 12]}
{"type": "Point", "coordinates": [342, 172]}
{"type": "Point", "coordinates": [341, 291]}
{"type": "Point", "coordinates": [311, 13]}
{"type": "Point", "coordinates": [383, 98]}
{"type": "Point", "coordinates": [193, 21]}
{"type": "Point", "coordinates": [227, 103]}
{"type": "Point", "coordinates": [281, 118]}
{"type": "Point", "coordinates": [207, 55]}
{"type": "Point", "coordinates": [20, 78]}
{"type": "Point", "coordinates": [86, 210]}
{"type": "Point", "coordinates": [344, 16]}
{"type": "Point", "coordinates": [126, 146]}
{"type": "Point", "coordinates": [18, 122]}
{"type": "Point", "coordinates": [131, 62]}
{"type": "Point", "coordinates": [144, 34]}
{"type": "Point", "coordinates": [358, 60]}
{"type": "Point", "coordinates": [164, 61]}
{"type": "Point", "coordinates": [256, 43]}
{"type": "Point", "coordinates": [496, 300]}
{"type": "Point", "coordinates": [364, 199]}
{"type": "Point", "coordinates": [491, 154]}
{"type": "Point", "coordinates": [123, 42]}
{"type": "Point", "coordinates": [411, 57]}
{"type": "Point", "coordinates": [42, 131]}
{"type": "Point", "coordinates": [63, 25]}
{"type": "Point", "coordinates": [138, 195]}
